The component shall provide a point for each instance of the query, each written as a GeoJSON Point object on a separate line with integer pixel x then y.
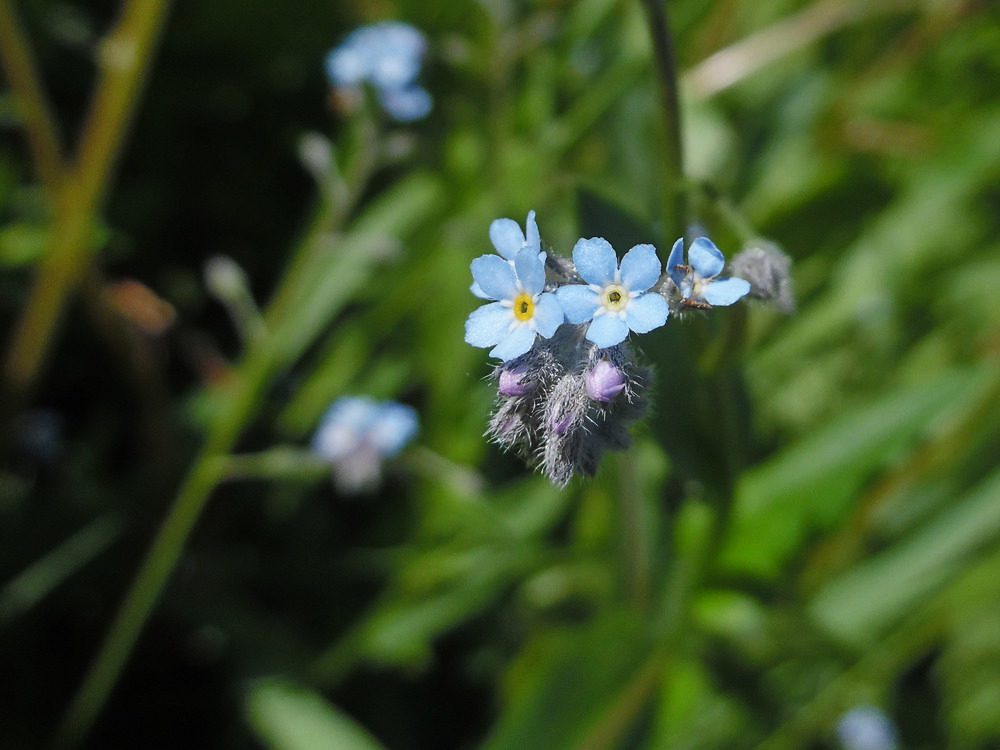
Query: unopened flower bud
{"type": "Point", "coordinates": [316, 154]}
{"type": "Point", "coordinates": [560, 425]}
{"type": "Point", "coordinates": [769, 272]}
{"type": "Point", "coordinates": [513, 381]}
{"type": "Point", "coordinates": [604, 381]}
{"type": "Point", "coordinates": [225, 278]}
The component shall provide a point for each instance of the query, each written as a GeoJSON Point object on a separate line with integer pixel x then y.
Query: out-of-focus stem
{"type": "Point", "coordinates": [674, 198]}
{"type": "Point", "coordinates": [22, 75]}
{"type": "Point", "coordinates": [124, 56]}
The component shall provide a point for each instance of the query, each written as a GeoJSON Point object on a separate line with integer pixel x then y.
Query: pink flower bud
{"type": "Point", "coordinates": [604, 381]}
{"type": "Point", "coordinates": [513, 382]}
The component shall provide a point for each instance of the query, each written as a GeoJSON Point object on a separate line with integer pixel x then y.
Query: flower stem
{"type": "Point", "coordinates": [124, 55]}
{"type": "Point", "coordinates": [674, 196]}
{"type": "Point", "coordinates": [19, 66]}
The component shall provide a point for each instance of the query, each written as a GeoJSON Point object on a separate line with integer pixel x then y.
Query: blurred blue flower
{"type": "Point", "coordinates": [508, 239]}
{"type": "Point", "coordinates": [522, 308]}
{"type": "Point", "coordinates": [388, 56]}
{"type": "Point", "coordinates": [866, 728]}
{"type": "Point", "coordinates": [697, 281]}
{"type": "Point", "coordinates": [357, 433]}
{"type": "Point", "coordinates": [615, 298]}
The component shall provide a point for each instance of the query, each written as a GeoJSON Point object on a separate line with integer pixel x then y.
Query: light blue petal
{"type": "Point", "coordinates": [646, 312]}
{"type": "Point", "coordinates": [530, 271]}
{"type": "Point", "coordinates": [723, 292]}
{"type": "Point", "coordinates": [640, 268]}
{"type": "Point", "coordinates": [478, 291]}
{"type": "Point", "coordinates": [548, 314]}
{"type": "Point", "coordinates": [495, 277]}
{"type": "Point", "coordinates": [346, 67]}
{"type": "Point", "coordinates": [607, 330]}
{"type": "Point", "coordinates": [579, 302]}
{"type": "Point", "coordinates": [488, 324]}
{"type": "Point", "coordinates": [406, 104]}
{"type": "Point", "coordinates": [531, 238]}
{"type": "Point", "coordinates": [516, 343]}
{"type": "Point", "coordinates": [506, 237]}
{"type": "Point", "coordinates": [392, 428]}
{"type": "Point", "coordinates": [595, 261]}
{"type": "Point", "coordinates": [676, 259]}
{"type": "Point", "coordinates": [706, 259]}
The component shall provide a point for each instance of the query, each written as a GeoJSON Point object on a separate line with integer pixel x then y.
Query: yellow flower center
{"type": "Point", "coordinates": [615, 297]}
{"type": "Point", "coordinates": [524, 307]}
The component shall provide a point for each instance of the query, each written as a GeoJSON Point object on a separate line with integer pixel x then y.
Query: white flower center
{"type": "Point", "coordinates": [615, 297]}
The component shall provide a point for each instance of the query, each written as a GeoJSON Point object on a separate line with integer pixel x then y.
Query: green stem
{"type": "Point", "coordinates": [633, 532]}
{"type": "Point", "coordinates": [674, 197]}
{"type": "Point", "coordinates": [125, 54]}
{"type": "Point", "coordinates": [39, 124]}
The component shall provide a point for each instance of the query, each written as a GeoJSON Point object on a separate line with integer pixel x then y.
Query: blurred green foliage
{"type": "Point", "coordinates": [809, 519]}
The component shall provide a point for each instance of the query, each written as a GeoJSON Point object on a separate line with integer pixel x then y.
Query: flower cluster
{"type": "Point", "coordinates": [568, 386]}
{"type": "Point", "coordinates": [357, 434]}
{"type": "Point", "coordinates": [387, 56]}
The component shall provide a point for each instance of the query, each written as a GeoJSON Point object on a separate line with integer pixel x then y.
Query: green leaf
{"type": "Point", "coordinates": [861, 604]}
{"type": "Point", "coordinates": [286, 716]}
{"type": "Point", "coordinates": [22, 244]}
{"type": "Point", "coordinates": [570, 684]}
{"type": "Point", "coordinates": [809, 486]}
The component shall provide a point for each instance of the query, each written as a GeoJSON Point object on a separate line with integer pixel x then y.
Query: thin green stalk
{"type": "Point", "coordinates": [634, 542]}
{"type": "Point", "coordinates": [163, 555]}
{"type": "Point", "coordinates": [39, 124]}
{"type": "Point", "coordinates": [674, 197]}
{"type": "Point", "coordinates": [124, 55]}
{"type": "Point", "coordinates": [211, 467]}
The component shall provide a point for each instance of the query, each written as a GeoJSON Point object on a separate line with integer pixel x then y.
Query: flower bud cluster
{"type": "Point", "coordinates": [769, 272]}
{"type": "Point", "coordinates": [565, 402]}
{"type": "Point", "coordinates": [568, 387]}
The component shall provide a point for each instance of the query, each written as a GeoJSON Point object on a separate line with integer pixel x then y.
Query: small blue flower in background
{"type": "Point", "coordinates": [357, 433]}
{"type": "Point", "coordinates": [388, 56]}
{"type": "Point", "coordinates": [616, 298]}
{"type": "Point", "coordinates": [697, 281]}
{"type": "Point", "coordinates": [508, 239]}
{"type": "Point", "coordinates": [866, 728]}
{"type": "Point", "coordinates": [522, 308]}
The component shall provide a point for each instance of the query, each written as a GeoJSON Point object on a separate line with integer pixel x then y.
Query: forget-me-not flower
{"type": "Point", "coordinates": [697, 281]}
{"type": "Point", "coordinates": [386, 55]}
{"type": "Point", "coordinates": [508, 239]}
{"type": "Point", "coordinates": [615, 298]}
{"type": "Point", "coordinates": [866, 728]}
{"type": "Point", "coordinates": [357, 433]}
{"type": "Point", "coordinates": [522, 307]}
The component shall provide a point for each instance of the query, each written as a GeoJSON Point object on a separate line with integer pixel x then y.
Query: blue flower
{"type": "Point", "coordinates": [388, 56]}
{"type": "Point", "coordinates": [522, 308]}
{"type": "Point", "coordinates": [357, 433]}
{"type": "Point", "coordinates": [358, 423]}
{"type": "Point", "coordinates": [508, 239]}
{"type": "Point", "coordinates": [616, 299]}
{"type": "Point", "coordinates": [697, 281]}
{"type": "Point", "coordinates": [866, 728]}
